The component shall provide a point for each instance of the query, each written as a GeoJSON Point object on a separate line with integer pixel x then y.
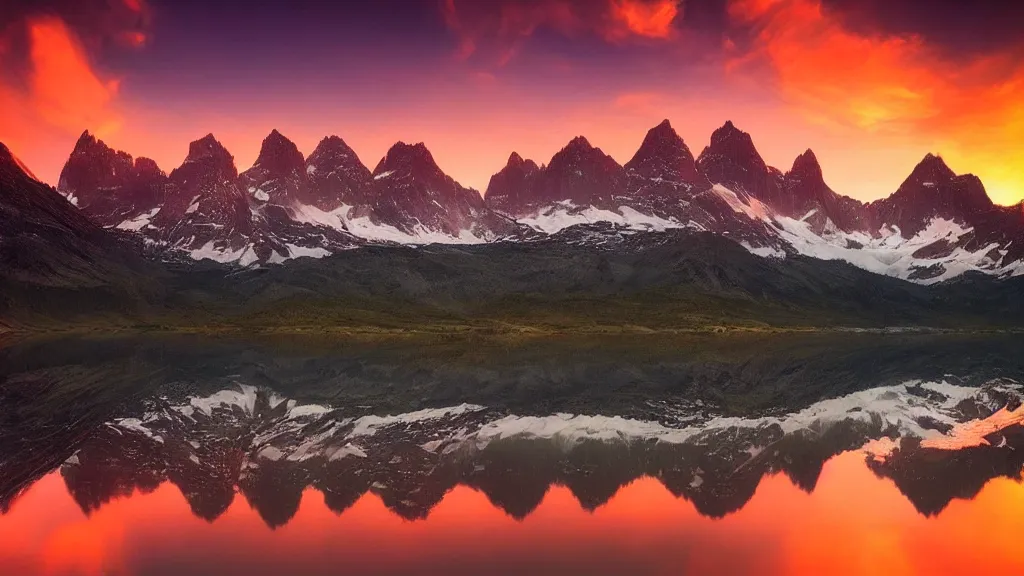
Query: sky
{"type": "Point", "coordinates": [870, 85]}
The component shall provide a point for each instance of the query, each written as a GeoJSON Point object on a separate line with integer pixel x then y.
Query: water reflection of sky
{"type": "Point", "coordinates": [852, 523]}
{"type": "Point", "coordinates": [932, 485]}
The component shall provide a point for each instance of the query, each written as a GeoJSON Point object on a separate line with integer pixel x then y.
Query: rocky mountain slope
{"type": "Point", "coordinates": [57, 263]}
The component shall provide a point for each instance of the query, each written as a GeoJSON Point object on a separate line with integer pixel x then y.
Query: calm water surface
{"type": "Point", "coordinates": [707, 457]}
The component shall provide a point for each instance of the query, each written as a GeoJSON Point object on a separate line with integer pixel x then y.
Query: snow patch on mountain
{"type": "Point", "coordinates": [299, 252]}
{"type": "Point", "coordinates": [259, 194]}
{"type": "Point", "coordinates": [753, 207]}
{"type": "Point", "coordinates": [243, 256]}
{"type": "Point", "coordinates": [369, 425]}
{"type": "Point", "coordinates": [243, 397]}
{"type": "Point", "coordinates": [763, 251]}
{"type": "Point", "coordinates": [306, 251]}
{"type": "Point", "coordinates": [887, 252]}
{"type": "Point", "coordinates": [341, 218]}
{"type": "Point", "coordinates": [139, 222]}
{"type": "Point", "coordinates": [564, 214]}
{"type": "Point", "coordinates": [891, 254]}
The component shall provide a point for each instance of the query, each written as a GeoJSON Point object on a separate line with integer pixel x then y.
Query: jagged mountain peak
{"type": "Point", "coordinates": [408, 157]}
{"type": "Point", "coordinates": [333, 152]}
{"type": "Point", "coordinates": [10, 162]}
{"type": "Point", "coordinates": [92, 174]}
{"type": "Point", "coordinates": [805, 195]}
{"type": "Point", "coordinates": [663, 132]}
{"type": "Point", "coordinates": [85, 140]}
{"type": "Point", "coordinates": [578, 173]}
{"type": "Point", "coordinates": [579, 143]}
{"type": "Point", "coordinates": [932, 191]}
{"type": "Point", "coordinates": [806, 165]}
{"type": "Point", "coordinates": [580, 149]}
{"type": "Point", "coordinates": [972, 192]}
{"type": "Point", "coordinates": [418, 148]}
{"type": "Point", "coordinates": [730, 141]}
{"type": "Point", "coordinates": [147, 167]}
{"type": "Point", "coordinates": [510, 190]}
{"type": "Point", "coordinates": [6, 156]}
{"type": "Point", "coordinates": [515, 161]}
{"type": "Point", "coordinates": [664, 155]}
{"type": "Point", "coordinates": [90, 145]}
{"type": "Point", "coordinates": [206, 146]}
{"type": "Point", "coordinates": [279, 155]}
{"type": "Point", "coordinates": [731, 159]}
{"type": "Point", "coordinates": [727, 131]}
{"type": "Point", "coordinates": [209, 151]}
{"type": "Point", "coordinates": [660, 138]}
{"type": "Point", "coordinates": [413, 195]}
{"type": "Point", "coordinates": [931, 169]}
{"type": "Point", "coordinates": [337, 176]}
{"type": "Point", "coordinates": [331, 142]}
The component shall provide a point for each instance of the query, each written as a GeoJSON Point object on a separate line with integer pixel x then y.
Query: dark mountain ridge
{"type": "Point", "coordinates": [57, 264]}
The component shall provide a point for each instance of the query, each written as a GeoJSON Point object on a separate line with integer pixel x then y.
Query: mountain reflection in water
{"type": "Point", "coordinates": [164, 459]}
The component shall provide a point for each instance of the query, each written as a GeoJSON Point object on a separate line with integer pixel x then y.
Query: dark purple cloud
{"type": "Point", "coordinates": [99, 24]}
{"type": "Point", "coordinates": [967, 27]}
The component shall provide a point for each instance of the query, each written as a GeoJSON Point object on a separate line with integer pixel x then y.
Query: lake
{"type": "Point", "coordinates": [837, 453]}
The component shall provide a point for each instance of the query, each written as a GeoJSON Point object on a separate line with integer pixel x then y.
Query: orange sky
{"type": "Point", "coordinates": [853, 523]}
{"type": "Point", "coordinates": [524, 75]}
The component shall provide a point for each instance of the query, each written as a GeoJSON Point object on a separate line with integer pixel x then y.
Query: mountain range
{"type": "Point", "coordinates": [668, 241]}
{"type": "Point", "coordinates": [935, 226]}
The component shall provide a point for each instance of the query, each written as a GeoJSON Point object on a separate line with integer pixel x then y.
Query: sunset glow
{"type": "Point", "coordinates": [643, 526]}
{"type": "Point", "coordinates": [511, 287]}
{"type": "Point", "coordinates": [475, 81]}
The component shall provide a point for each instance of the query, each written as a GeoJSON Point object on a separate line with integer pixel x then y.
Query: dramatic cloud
{"type": "Point", "coordinates": [897, 85]}
{"type": "Point", "coordinates": [98, 24]}
{"type": "Point", "coordinates": [871, 85]}
{"type": "Point", "coordinates": [955, 27]}
{"type": "Point", "coordinates": [64, 90]}
{"type": "Point", "coordinates": [58, 89]}
{"type": "Point", "coordinates": [50, 86]}
{"type": "Point", "coordinates": [501, 25]}
{"type": "Point", "coordinates": [648, 19]}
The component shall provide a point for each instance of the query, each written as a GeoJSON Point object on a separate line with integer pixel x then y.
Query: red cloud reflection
{"type": "Point", "coordinates": [643, 529]}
